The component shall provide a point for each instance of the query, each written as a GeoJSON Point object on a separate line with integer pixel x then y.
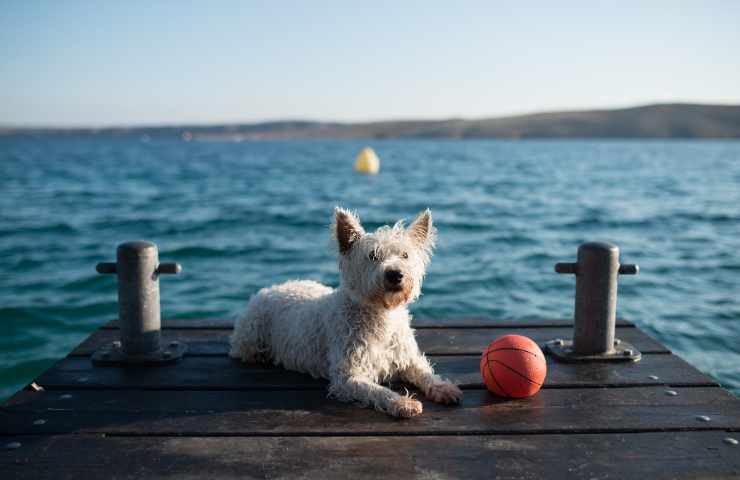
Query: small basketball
{"type": "Point", "coordinates": [513, 366]}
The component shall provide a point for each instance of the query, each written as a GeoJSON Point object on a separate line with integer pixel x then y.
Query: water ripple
{"type": "Point", "coordinates": [242, 216]}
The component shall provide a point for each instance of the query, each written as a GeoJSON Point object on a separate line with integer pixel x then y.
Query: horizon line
{"type": "Point", "coordinates": [135, 126]}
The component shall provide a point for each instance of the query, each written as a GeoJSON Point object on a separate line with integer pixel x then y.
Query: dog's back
{"type": "Point", "coordinates": [283, 324]}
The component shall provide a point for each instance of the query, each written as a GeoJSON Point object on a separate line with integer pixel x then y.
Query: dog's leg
{"type": "Point", "coordinates": [248, 342]}
{"type": "Point", "coordinates": [419, 372]}
{"type": "Point", "coordinates": [367, 392]}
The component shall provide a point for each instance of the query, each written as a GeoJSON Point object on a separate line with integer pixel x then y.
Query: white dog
{"type": "Point", "coordinates": [359, 334]}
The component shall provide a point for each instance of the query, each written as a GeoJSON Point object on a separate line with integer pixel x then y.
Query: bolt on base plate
{"type": "Point", "coordinates": [563, 350]}
{"type": "Point", "coordinates": [113, 355]}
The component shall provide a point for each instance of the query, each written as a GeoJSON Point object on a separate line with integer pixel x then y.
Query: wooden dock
{"type": "Point", "coordinates": [208, 416]}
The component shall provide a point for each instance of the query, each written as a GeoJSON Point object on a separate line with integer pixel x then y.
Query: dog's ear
{"type": "Point", "coordinates": [422, 232]}
{"type": "Point", "coordinates": [347, 229]}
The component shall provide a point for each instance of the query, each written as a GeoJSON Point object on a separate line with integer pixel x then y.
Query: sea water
{"type": "Point", "coordinates": [241, 216]}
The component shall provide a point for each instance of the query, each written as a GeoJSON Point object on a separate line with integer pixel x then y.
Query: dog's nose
{"type": "Point", "coordinates": [393, 277]}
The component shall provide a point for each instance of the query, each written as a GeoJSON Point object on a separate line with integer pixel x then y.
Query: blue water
{"type": "Point", "coordinates": [239, 216]}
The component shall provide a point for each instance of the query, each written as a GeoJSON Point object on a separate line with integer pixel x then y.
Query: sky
{"type": "Point", "coordinates": [104, 63]}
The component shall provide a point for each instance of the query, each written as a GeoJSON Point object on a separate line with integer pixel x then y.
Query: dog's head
{"type": "Point", "coordinates": [384, 268]}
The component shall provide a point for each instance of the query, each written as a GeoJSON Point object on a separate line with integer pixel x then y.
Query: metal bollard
{"type": "Point", "coordinates": [596, 307]}
{"type": "Point", "coordinates": [138, 269]}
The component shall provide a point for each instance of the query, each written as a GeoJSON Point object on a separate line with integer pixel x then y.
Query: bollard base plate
{"type": "Point", "coordinates": [562, 350]}
{"type": "Point", "coordinates": [112, 355]}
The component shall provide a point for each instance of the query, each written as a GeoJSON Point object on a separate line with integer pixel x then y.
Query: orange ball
{"type": "Point", "coordinates": [513, 366]}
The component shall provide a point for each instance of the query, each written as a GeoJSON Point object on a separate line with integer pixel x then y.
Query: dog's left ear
{"type": "Point", "coordinates": [422, 232]}
{"type": "Point", "coordinates": [347, 229]}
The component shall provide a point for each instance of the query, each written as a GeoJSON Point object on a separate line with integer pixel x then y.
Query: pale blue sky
{"type": "Point", "coordinates": [145, 62]}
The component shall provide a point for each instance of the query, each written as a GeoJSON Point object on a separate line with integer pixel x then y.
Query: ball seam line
{"type": "Point", "coordinates": [518, 373]}
{"type": "Point", "coordinates": [515, 349]}
{"type": "Point", "coordinates": [493, 376]}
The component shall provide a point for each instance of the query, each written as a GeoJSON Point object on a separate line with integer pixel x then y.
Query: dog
{"type": "Point", "coordinates": [356, 336]}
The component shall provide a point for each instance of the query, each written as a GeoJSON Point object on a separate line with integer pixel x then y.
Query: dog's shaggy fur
{"type": "Point", "coordinates": [359, 334]}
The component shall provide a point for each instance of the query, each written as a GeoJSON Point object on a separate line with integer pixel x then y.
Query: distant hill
{"type": "Point", "coordinates": [651, 121]}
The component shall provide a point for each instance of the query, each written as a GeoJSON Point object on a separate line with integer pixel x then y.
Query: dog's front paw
{"type": "Point", "coordinates": [445, 392]}
{"type": "Point", "coordinates": [405, 407]}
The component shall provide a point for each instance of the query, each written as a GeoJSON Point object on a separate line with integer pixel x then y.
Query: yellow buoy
{"type": "Point", "coordinates": [367, 162]}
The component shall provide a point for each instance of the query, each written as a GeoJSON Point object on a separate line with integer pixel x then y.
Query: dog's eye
{"type": "Point", "coordinates": [405, 255]}
{"type": "Point", "coordinates": [373, 256]}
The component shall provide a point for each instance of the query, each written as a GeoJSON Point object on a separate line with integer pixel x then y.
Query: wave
{"type": "Point", "coordinates": [243, 216]}
{"type": "Point", "coordinates": [57, 228]}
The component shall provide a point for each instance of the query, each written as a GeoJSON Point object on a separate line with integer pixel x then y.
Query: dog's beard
{"type": "Point", "coordinates": [392, 298]}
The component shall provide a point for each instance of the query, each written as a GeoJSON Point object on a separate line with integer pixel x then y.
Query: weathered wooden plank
{"type": "Point", "coordinates": [164, 401]}
{"type": "Point", "coordinates": [670, 370]}
{"type": "Point", "coordinates": [647, 455]}
{"type": "Point", "coordinates": [474, 340]}
{"type": "Point", "coordinates": [462, 322]}
{"type": "Point", "coordinates": [225, 373]}
{"type": "Point", "coordinates": [476, 322]}
{"type": "Point", "coordinates": [310, 412]}
{"type": "Point", "coordinates": [445, 341]}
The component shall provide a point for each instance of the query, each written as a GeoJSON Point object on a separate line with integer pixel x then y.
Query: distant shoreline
{"type": "Point", "coordinates": [674, 120]}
